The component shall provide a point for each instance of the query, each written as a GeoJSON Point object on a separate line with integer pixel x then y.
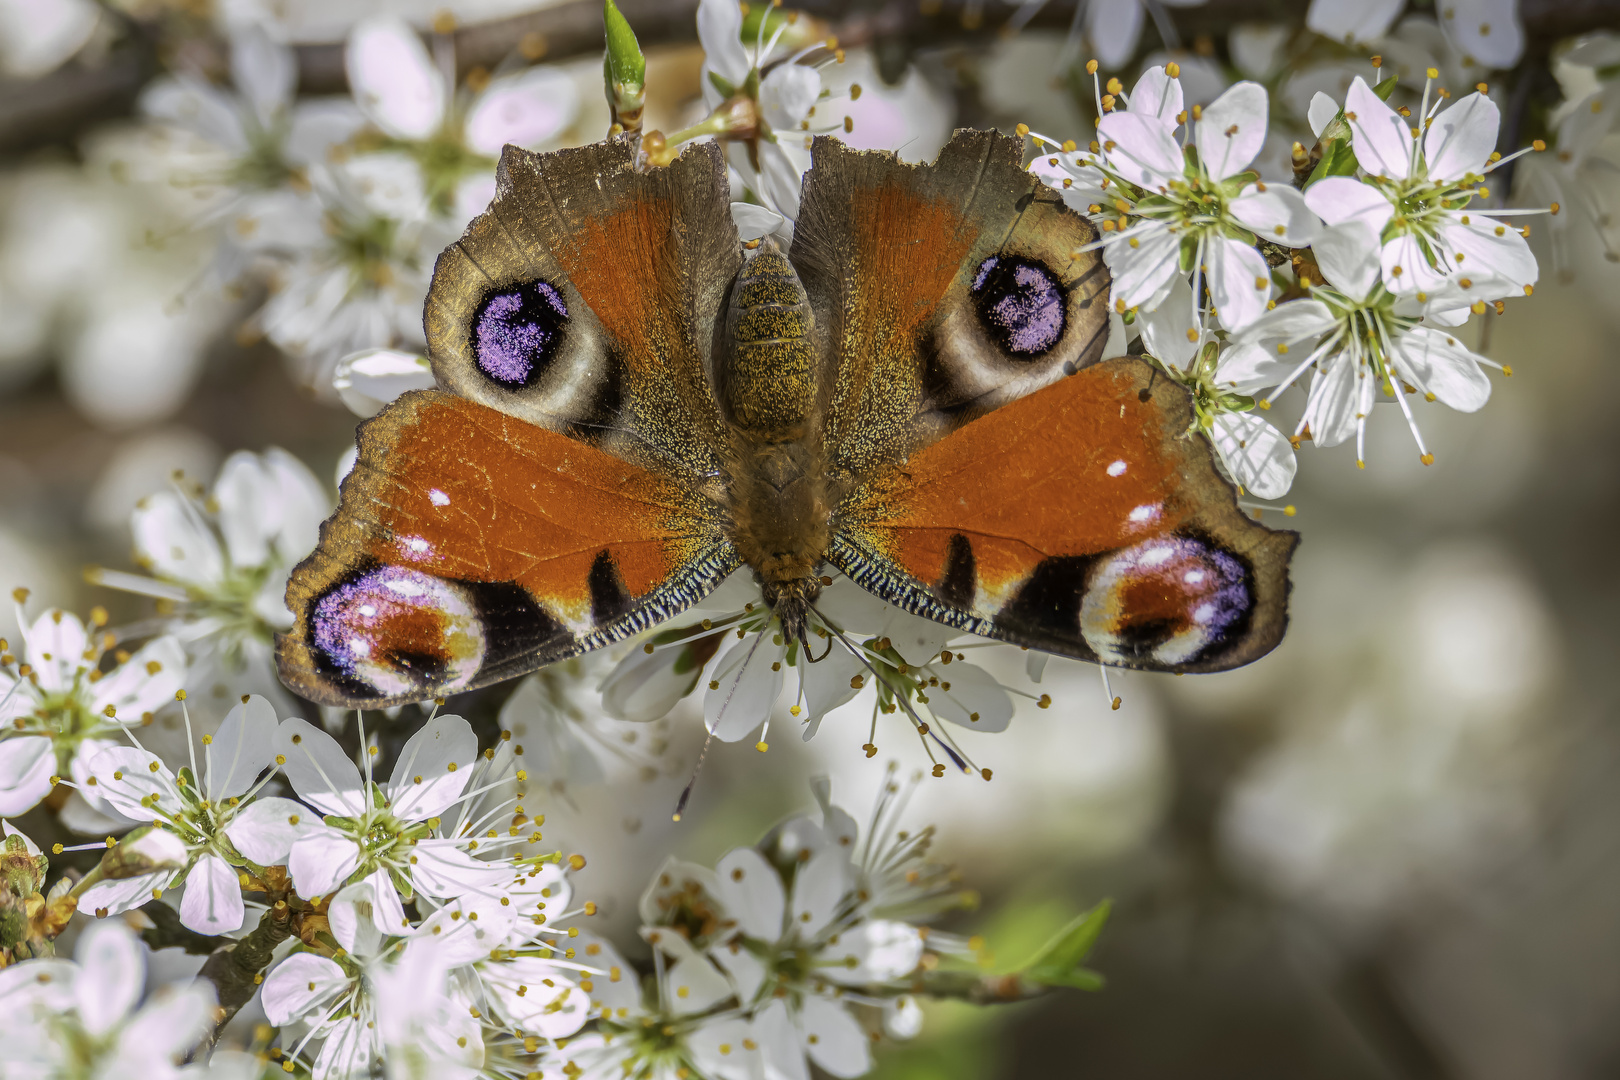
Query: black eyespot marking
{"type": "Point", "coordinates": [1020, 304]}
{"type": "Point", "coordinates": [516, 332]}
{"type": "Point", "coordinates": [960, 581]}
{"type": "Point", "coordinates": [609, 598]}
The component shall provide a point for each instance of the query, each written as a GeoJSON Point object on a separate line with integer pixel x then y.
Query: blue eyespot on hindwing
{"type": "Point", "coordinates": [517, 331]}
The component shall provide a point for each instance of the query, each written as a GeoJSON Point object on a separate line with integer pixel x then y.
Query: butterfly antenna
{"type": "Point", "coordinates": [686, 792]}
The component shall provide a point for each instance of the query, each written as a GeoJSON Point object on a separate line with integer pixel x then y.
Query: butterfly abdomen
{"type": "Point", "coordinates": [767, 376]}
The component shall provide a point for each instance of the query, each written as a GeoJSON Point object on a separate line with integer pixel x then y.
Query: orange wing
{"type": "Point", "coordinates": [1082, 520]}
{"type": "Point", "coordinates": [471, 547]}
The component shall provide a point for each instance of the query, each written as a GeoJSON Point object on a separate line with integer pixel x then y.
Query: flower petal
{"type": "Point", "coordinates": [1157, 95]}
{"type": "Point", "coordinates": [751, 889]}
{"type": "Point", "coordinates": [442, 869]}
{"type": "Point", "coordinates": [134, 782]}
{"type": "Point", "coordinates": [144, 683]}
{"type": "Point", "coordinates": [1437, 362]}
{"type": "Point", "coordinates": [972, 698]}
{"type": "Point", "coordinates": [754, 221]}
{"type": "Point", "coordinates": [902, 1017]}
{"type": "Point", "coordinates": [1144, 272]}
{"type": "Point", "coordinates": [523, 110]}
{"type": "Point", "coordinates": [321, 860]}
{"type": "Point", "coordinates": [242, 748]}
{"type": "Point", "coordinates": [1490, 251]}
{"type": "Point", "coordinates": [787, 95]}
{"type": "Point", "coordinates": [819, 889]}
{"type": "Point", "coordinates": [1169, 332]}
{"type": "Point", "coordinates": [719, 27]}
{"type": "Point", "coordinates": [1233, 130]}
{"type": "Point", "coordinates": [1321, 113]}
{"type": "Point", "coordinates": [874, 951]}
{"type": "Point", "coordinates": [1462, 138]}
{"type": "Point", "coordinates": [1406, 268]}
{"type": "Point", "coordinates": [1381, 139]}
{"type": "Point", "coordinates": [112, 972]}
{"type": "Point", "coordinates": [172, 538]}
{"type": "Point", "coordinates": [300, 985]}
{"type": "Point", "coordinates": [1141, 149]}
{"type": "Point", "coordinates": [1340, 199]}
{"type": "Point", "coordinates": [1364, 21]}
{"type": "Point", "coordinates": [1113, 28]}
{"type": "Point", "coordinates": [532, 994]}
{"type": "Point", "coordinates": [1349, 257]}
{"type": "Point", "coordinates": [393, 79]}
{"type": "Point", "coordinates": [780, 1042]}
{"type": "Point", "coordinates": [725, 1050]}
{"type": "Point", "coordinates": [695, 986]}
{"type": "Point", "coordinates": [1331, 409]}
{"type": "Point", "coordinates": [1239, 282]}
{"type": "Point", "coordinates": [266, 829]}
{"type": "Point", "coordinates": [1487, 31]}
{"type": "Point", "coordinates": [57, 643]}
{"type": "Point", "coordinates": [121, 894]}
{"type": "Point", "coordinates": [1256, 453]}
{"type": "Point", "coordinates": [318, 769]}
{"type": "Point", "coordinates": [212, 902]}
{"type": "Point", "coordinates": [644, 686]}
{"type": "Point", "coordinates": [1277, 213]}
{"type": "Point", "coordinates": [169, 1025]}
{"type": "Point", "coordinates": [347, 1052]}
{"type": "Point", "coordinates": [433, 768]}
{"type": "Point", "coordinates": [265, 71]}
{"type": "Point", "coordinates": [834, 1041]}
{"type": "Point", "coordinates": [746, 683]}
{"type": "Point", "coordinates": [27, 764]}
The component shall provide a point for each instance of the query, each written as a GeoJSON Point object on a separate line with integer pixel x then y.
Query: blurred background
{"type": "Point", "coordinates": [1391, 849]}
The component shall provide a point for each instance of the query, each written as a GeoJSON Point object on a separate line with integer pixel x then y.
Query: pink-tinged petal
{"type": "Point", "coordinates": [818, 890]}
{"type": "Point", "coordinates": [695, 986]}
{"type": "Point", "coordinates": [433, 769]}
{"type": "Point", "coordinates": [1462, 138]}
{"type": "Point", "coordinates": [1141, 149]}
{"type": "Point", "coordinates": [300, 985]}
{"type": "Point", "coordinates": [1361, 22]}
{"type": "Point", "coordinates": [126, 779]}
{"type": "Point", "coordinates": [875, 951]}
{"type": "Point", "coordinates": [441, 869]}
{"type": "Point", "coordinates": [1348, 256]}
{"type": "Point", "coordinates": [834, 1041]}
{"type": "Point", "coordinates": [1232, 130]}
{"type": "Point", "coordinates": [1157, 95]}
{"type": "Point", "coordinates": [1491, 251]}
{"type": "Point", "coordinates": [1321, 112]}
{"type": "Point", "coordinates": [1258, 455]}
{"type": "Point", "coordinates": [1113, 28]}
{"type": "Point", "coordinates": [242, 748]}
{"type": "Point", "coordinates": [751, 889]}
{"type": "Point", "coordinates": [318, 769]}
{"type": "Point", "coordinates": [265, 830]}
{"type": "Point", "coordinates": [1277, 213]}
{"type": "Point", "coordinates": [1488, 31]}
{"type": "Point", "coordinates": [1338, 200]}
{"type": "Point", "coordinates": [112, 971]}
{"type": "Point", "coordinates": [212, 902]}
{"type": "Point", "coordinates": [1239, 282]}
{"type": "Point", "coordinates": [1381, 139]}
{"type": "Point", "coordinates": [972, 699]}
{"type": "Point", "coordinates": [143, 684]}
{"type": "Point", "coordinates": [27, 764]}
{"type": "Point", "coordinates": [524, 110]}
{"type": "Point", "coordinates": [114, 897]}
{"type": "Point", "coordinates": [1331, 410]}
{"type": "Point", "coordinates": [1144, 274]}
{"type": "Point", "coordinates": [1437, 362]}
{"type": "Point", "coordinates": [1406, 268]}
{"type": "Point", "coordinates": [393, 79]}
{"type": "Point", "coordinates": [532, 994]}
{"type": "Point", "coordinates": [57, 644]}
{"type": "Point", "coordinates": [322, 860]}
{"type": "Point", "coordinates": [750, 677]}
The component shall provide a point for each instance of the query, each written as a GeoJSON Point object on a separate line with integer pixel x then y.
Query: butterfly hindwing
{"type": "Point", "coordinates": [471, 547]}
{"type": "Point", "coordinates": [1083, 520]}
{"type": "Point", "coordinates": [585, 300]}
{"type": "Point", "coordinates": [940, 291]}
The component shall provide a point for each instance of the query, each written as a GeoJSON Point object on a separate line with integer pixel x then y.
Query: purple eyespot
{"type": "Point", "coordinates": [1020, 303]}
{"type": "Point", "coordinates": [1167, 601]}
{"type": "Point", "coordinates": [516, 332]}
{"type": "Point", "coordinates": [399, 631]}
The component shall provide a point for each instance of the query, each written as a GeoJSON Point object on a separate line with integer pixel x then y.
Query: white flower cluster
{"type": "Point", "coordinates": [1239, 287]}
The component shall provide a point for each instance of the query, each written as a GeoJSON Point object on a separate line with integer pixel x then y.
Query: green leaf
{"type": "Point", "coordinates": [625, 64]}
{"type": "Point", "coordinates": [1058, 962]}
{"type": "Point", "coordinates": [1385, 88]}
{"type": "Point", "coordinates": [1337, 160]}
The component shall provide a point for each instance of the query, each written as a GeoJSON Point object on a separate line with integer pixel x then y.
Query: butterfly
{"type": "Point", "coordinates": [632, 404]}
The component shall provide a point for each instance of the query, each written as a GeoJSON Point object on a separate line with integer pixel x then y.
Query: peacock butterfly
{"type": "Point", "coordinates": [631, 405]}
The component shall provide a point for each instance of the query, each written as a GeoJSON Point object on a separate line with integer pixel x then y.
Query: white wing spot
{"type": "Point", "coordinates": [1117, 469]}
{"type": "Point", "coordinates": [438, 497]}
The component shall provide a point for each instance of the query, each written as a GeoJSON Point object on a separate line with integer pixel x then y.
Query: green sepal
{"type": "Point", "coordinates": [1337, 160]}
{"type": "Point", "coordinates": [1188, 257]}
{"type": "Point", "coordinates": [1385, 88]}
{"type": "Point", "coordinates": [721, 84]}
{"type": "Point", "coordinates": [1058, 962]}
{"type": "Point", "coordinates": [625, 64]}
